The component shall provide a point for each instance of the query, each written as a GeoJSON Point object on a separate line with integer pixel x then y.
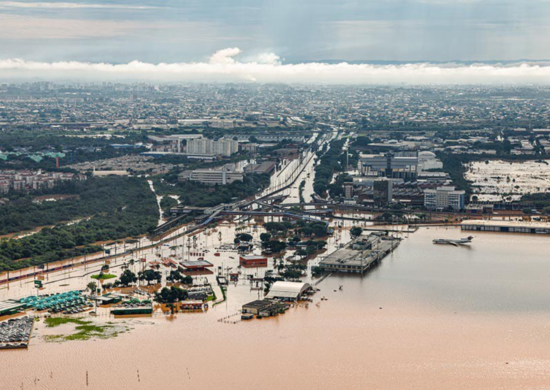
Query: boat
{"type": "Point", "coordinates": [462, 241]}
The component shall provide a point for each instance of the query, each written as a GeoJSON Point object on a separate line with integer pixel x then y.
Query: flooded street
{"type": "Point", "coordinates": [429, 317]}
{"type": "Point", "coordinates": [159, 198]}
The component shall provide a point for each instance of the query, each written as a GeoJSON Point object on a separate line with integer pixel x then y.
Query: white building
{"type": "Point", "coordinates": [226, 147]}
{"type": "Point", "coordinates": [288, 291]}
{"type": "Point", "coordinates": [444, 197]}
{"type": "Point", "coordinates": [222, 176]}
{"type": "Point", "coordinates": [205, 146]}
{"type": "Point", "coordinates": [428, 160]}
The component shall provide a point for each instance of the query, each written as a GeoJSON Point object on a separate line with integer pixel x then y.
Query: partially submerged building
{"type": "Point", "coordinates": [196, 267]}
{"type": "Point", "coordinates": [359, 255]}
{"type": "Point", "coordinates": [10, 307]}
{"type": "Point", "coordinates": [506, 226]}
{"type": "Point", "coordinates": [145, 310]}
{"type": "Point", "coordinates": [253, 261]}
{"type": "Point", "coordinates": [263, 308]}
{"type": "Point", "coordinates": [289, 291]}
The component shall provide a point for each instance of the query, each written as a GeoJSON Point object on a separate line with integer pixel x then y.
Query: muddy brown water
{"type": "Point", "coordinates": [429, 317]}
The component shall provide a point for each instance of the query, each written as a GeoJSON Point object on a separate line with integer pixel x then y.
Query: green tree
{"type": "Point", "coordinates": [127, 278]}
{"type": "Point", "coordinates": [150, 275]}
{"type": "Point", "coordinates": [92, 286]}
{"type": "Point", "coordinates": [176, 276]}
{"type": "Point", "coordinates": [275, 246]}
{"type": "Point", "coordinates": [245, 237]}
{"type": "Point", "coordinates": [320, 230]}
{"type": "Point", "coordinates": [171, 295]}
{"type": "Point", "coordinates": [356, 231]}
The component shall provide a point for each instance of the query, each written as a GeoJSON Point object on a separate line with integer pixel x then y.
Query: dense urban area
{"type": "Point", "coordinates": [125, 200]}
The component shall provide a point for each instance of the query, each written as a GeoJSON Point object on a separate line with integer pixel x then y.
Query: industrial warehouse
{"type": "Point", "coordinates": [506, 226]}
{"type": "Point", "coordinates": [275, 301]}
{"type": "Point", "coordinates": [359, 255]}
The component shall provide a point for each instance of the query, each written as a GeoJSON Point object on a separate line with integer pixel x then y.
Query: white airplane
{"type": "Point", "coordinates": [462, 241]}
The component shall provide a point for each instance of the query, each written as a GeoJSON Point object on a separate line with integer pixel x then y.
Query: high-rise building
{"type": "Point", "coordinates": [205, 146]}
{"type": "Point", "coordinates": [401, 165]}
{"type": "Point", "coordinates": [445, 197]}
{"type": "Point", "coordinates": [225, 147]}
{"type": "Point", "coordinates": [382, 192]}
{"type": "Point", "coordinates": [348, 190]}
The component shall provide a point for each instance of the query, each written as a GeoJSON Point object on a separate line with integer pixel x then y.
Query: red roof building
{"type": "Point", "coordinates": [252, 261]}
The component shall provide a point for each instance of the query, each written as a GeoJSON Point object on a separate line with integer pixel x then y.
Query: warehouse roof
{"type": "Point", "coordinates": [253, 257]}
{"type": "Point", "coordinates": [10, 305]}
{"type": "Point", "coordinates": [201, 263]}
{"type": "Point", "coordinates": [528, 224]}
{"type": "Point", "coordinates": [287, 290]}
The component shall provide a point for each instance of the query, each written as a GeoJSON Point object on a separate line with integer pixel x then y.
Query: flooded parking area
{"type": "Point", "coordinates": [495, 180]}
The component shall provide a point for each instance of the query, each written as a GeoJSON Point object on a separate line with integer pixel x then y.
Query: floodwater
{"type": "Point", "coordinates": [159, 199]}
{"type": "Point", "coordinates": [497, 179]}
{"type": "Point", "coordinates": [429, 317]}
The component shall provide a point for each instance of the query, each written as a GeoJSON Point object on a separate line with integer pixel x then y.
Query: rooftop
{"type": "Point", "coordinates": [10, 305]}
{"type": "Point", "coordinates": [258, 304]}
{"type": "Point", "coordinates": [530, 224]}
{"type": "Point", "coordinates": [253, 257]}
{"type": "Point", "coordinates": [195, 264]}
{"type": "Point", "coordinates": [287, 289]}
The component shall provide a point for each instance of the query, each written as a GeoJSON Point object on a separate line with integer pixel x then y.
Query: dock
{"type": "Point", "coordinates": [360, 255]}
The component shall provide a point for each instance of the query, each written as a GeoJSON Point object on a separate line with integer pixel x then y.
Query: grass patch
{"type": "Point", "coordinates": [224, 297]}
{"type": "Point", "coordinates": [55, 337]}
{"type": "Point", "coordinates": [52, 322]}
{"type": "Point", "coordinates": [103, 277]}
{"type": "Point", "coordinates": [84, 330]}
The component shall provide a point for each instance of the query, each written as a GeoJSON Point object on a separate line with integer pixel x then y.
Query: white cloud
{"type": "Point", "coordinates": [269, 58]}
{"type": "Point", "coordinates": [224, 67]}
{"type": "Point", "coordinates": [225, 56]}
{"type": "Point", "coordinates": [40, 5]}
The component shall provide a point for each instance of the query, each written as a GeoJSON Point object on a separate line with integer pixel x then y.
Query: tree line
{"type": "Point", "coordinates": [117, 208]}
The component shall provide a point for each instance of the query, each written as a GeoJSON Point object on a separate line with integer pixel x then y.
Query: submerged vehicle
{"type": "Point", "coordinates": [462, 241]}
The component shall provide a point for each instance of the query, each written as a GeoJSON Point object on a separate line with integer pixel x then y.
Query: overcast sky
{"type": "Point", "coordinates": [296, 31]}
